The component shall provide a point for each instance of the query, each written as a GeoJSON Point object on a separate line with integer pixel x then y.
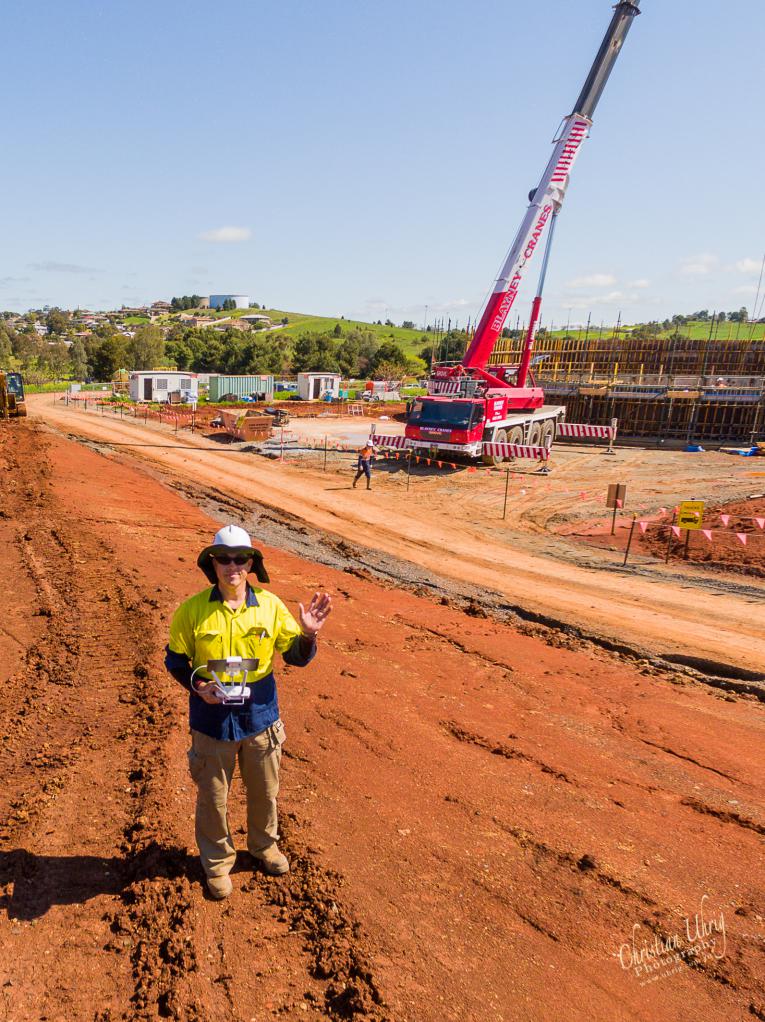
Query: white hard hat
{"type": "Point", "coordinates": [232, 536]}
{"type": "Point", "coordinates": [229, 538]}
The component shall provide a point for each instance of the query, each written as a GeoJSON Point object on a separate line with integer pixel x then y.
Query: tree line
{"type": "Point", "coordinates": [98, 355]}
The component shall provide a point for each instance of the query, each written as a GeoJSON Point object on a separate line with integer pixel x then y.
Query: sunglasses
{"type": "Point", "coordinates": [239, 559]}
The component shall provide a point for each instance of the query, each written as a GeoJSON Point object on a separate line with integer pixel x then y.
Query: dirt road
{"type": "Point", "coordinates": [482, 825]}
{"type": "Point", "coordinates": [453, 536]}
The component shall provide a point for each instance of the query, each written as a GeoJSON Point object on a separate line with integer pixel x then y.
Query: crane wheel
{"type": "Point", "coordinates": [548, 432]}
{"type": "Point", "coordinates": [535, 434]}
{"type": "Point", "coordinates": [515, 436]}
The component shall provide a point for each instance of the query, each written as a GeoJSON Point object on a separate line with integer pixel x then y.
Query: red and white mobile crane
{"type": "Point", "coordinates": [467, 405]}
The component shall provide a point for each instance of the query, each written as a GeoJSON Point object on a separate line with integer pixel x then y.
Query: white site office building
{"type": "Point", "coordinates": [160, 384]}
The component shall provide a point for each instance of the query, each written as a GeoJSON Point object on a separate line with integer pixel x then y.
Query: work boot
{"type": "Point", "coordinates": [219, 887]}
{"type": "Point", "coordinates": [272, 861]}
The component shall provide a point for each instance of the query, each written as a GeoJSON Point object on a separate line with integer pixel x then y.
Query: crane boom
{"type": "Point", "coordinates": [547, 197]}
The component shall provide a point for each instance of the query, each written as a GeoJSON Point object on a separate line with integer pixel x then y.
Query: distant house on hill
{"type": "Point", "coordinates": [160, 308]}
{"type": "Point", "coordinates": [231, 324]}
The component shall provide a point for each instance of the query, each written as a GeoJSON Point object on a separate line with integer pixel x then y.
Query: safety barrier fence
{"type": "Point", "coordinates": [495, 450]}
{"type": "Point", "coordinates": [507, 451]}
{"type": "Point", "coordinates": [582, 430]}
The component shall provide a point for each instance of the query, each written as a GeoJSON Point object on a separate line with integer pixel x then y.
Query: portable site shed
{"type": "Point", "coordinates": [241, 386]}
{"type": "Point", "coordinates": [159, 384]}
{"type": "Point", "coordinates": [315, 386]}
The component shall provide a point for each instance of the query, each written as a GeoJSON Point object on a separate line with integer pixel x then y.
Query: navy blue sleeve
{"type": "Point", "coordinates": [179, 666]}
{"type": "Point", "coordinates": [301, 652]}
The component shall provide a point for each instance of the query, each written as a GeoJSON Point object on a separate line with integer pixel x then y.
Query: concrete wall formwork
{"type": "Point", "coordinates": [709, 389]}
{"type": "Point", "coordinates": [731, 417]}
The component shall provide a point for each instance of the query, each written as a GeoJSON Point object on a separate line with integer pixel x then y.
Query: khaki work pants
{"type": "Point", "coordinates": [211, 763]}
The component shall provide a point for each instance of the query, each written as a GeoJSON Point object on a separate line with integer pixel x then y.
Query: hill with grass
{"type": "Point", "coordinates": [410, 341]}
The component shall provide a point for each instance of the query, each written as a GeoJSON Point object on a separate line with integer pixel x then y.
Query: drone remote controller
{"type": "Point", "coordinates": [229, 677]}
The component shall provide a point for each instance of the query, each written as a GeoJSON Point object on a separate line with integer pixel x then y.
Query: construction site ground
{"type": "Point", "coordinates": [520, 782]}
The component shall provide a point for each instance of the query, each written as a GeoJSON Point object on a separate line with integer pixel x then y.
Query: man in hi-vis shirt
{"type": "Point", "coordinates": [230, 619]}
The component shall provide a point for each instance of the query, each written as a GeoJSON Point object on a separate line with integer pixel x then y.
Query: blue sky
{"type": "Point", "coordinates": [372, 159]}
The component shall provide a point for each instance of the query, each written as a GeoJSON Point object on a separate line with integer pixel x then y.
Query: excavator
{"type": "Point", "coordinates": [12, 405]}
{"type": "Point", "coordinates": [470, 409]}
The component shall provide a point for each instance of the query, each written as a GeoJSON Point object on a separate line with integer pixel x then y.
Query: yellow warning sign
{"type": "Point", "coordinates": [690, 514]}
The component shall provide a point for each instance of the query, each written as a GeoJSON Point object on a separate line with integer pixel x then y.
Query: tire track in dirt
{"type": "Point", "coordinates": [558, 870]}
{"type": "Point", "coordinates": [501, 749]}
{"type": "Point", "coordinates": [149, 943]}
{"type": "Point", "coordinates": [725, 815]}
{"type": "Point", "coordinates": [71, 706]}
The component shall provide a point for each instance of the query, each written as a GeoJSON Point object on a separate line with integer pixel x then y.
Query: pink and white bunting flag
{"type": "Point", "coordinates": [760, 523]}
{"type": "Point", "coordinates": [741, 536]}
{"type": "Point", "coordinates": [676, 530]}
{"type": "Point", "coordinates": [725, 519]}
{"type": "Point", "coordinates": [707, 534]}
{"type": "Point", "coordinates": [642, 526]}
{"type": "Point", "coordinates": [619, 502]}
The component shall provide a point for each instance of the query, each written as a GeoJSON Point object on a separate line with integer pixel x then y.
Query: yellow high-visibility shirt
{"type": "Point", "coordinates": [205, 628]}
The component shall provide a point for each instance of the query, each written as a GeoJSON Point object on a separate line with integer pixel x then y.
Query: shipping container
{"type": "Point", "coordinates": [241, 386]}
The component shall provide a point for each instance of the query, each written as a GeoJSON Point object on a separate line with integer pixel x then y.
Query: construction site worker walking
{"type": "Point", "coordinates": [221, 649]}
{"type": "Point", "coordinates": [364, 465]}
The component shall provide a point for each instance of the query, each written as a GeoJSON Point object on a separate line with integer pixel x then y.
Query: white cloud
{"type": "Point", "coordinates": [227, 234]}
{"type": "Point", "coordinates": [593, 280]}
{"type": "Point", "coordinates": [594, 301]}
{"type": "Point", "coordinates": [745, 289]}
{"type": "Point", "coordinates": [641, 283]}
{"type": "Point", "coordinates": [700, 265]}
{"type": "Point", "coordinates": [454, 305]}
{"type": "Point", "coordinates": [748, 266]}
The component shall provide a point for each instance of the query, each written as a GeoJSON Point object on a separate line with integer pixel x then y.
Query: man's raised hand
{"type": "Point", "coordinates": [312, 618]}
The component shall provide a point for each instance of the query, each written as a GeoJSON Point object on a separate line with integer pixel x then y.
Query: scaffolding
{"type": "Point", "coordinates": [658, 386]}
{"type": "Point", "coordinates": [605, 355]}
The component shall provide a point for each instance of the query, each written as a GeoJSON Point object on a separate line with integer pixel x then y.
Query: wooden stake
{"type": "Point", "coordinates": [629, 540]}
{"type": "Point", "coordinates": [669, 538]}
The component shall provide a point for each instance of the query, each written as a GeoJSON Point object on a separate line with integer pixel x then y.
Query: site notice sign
{"type": "Point", "coordinates": [617, 495]}
{"type": "Point", "coordinates": [690, 514]}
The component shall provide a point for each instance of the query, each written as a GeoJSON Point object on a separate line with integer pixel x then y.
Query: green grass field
{"type": "Point", "coordinates": [697, 329]}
